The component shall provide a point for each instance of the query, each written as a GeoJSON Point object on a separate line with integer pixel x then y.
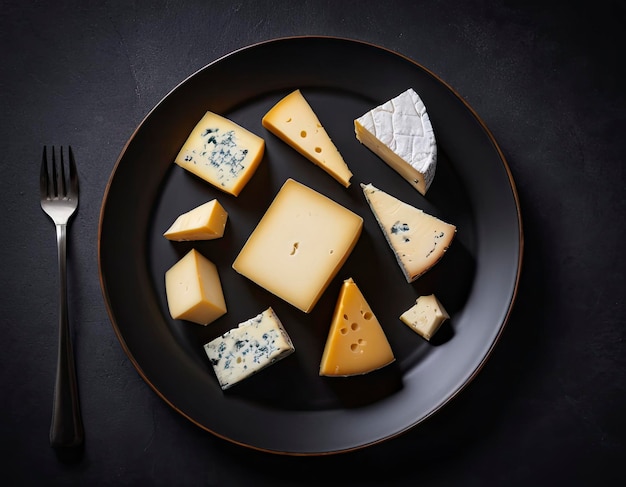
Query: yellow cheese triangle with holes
{"type": "Point", "coordinates": [356, 342]}
{"type": "Point", "coordinates": [293, 120]}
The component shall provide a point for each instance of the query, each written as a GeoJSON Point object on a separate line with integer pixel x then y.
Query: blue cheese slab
{"type": "Point", "coordinates": [251, 347]}
{"type": "Point", "coordinates": [222, 153]}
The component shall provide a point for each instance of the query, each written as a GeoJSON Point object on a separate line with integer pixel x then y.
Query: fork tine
{"type": "Point", "coordinates": [73, 189]}
{"type": "Point", "coordinates": [43, 176]}
{"type": "Point", "coordinates": [56, 182]}
{"type": "Point", "coordinates": [62, 180]}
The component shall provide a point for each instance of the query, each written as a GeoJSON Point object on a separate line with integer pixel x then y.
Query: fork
{"type": "Point", "coordinates": [59, 200]}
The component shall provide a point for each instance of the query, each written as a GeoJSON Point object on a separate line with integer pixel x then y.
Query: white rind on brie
{"type": "Point", "coordinates": [400, 132]}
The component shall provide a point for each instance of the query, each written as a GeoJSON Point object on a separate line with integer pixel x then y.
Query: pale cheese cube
{"type": "Point", "coordinates": [222, 153]}
{"type": "Point", "coordinates": [204, 222]}
{"type": "Point", "coordinates": [299, 245]}
{"type": "Point", "coordinates": [194, 290]}
{"type": "Point", "coordinates": [425, 316]}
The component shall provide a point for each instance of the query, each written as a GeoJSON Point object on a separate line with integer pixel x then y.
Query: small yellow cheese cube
{"type": "Point", "coordinates": [194, 290]}
{"type": "Point", "coordinates": [204, 222]}
{"type": "Point", "coordinates": [299, 245]}
{"type": "Point", "coordinates": [222, 153]}
{"type": "Point", "coordinates": [425, 316]}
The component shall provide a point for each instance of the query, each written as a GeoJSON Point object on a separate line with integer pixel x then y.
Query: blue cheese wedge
{"type": "Point", "coordinates": [425, 316]}
{"type": "Point", "coordinates": [418, 240]}
{"type": "Point", "coordinates": [400, 133]}
{"type": "Point", "coordinates": [222, 153]}
{"type": "Point", "coordinates": [251, 347]}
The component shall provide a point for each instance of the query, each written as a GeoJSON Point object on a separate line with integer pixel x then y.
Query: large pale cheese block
{"type": "Point", "coordinates": [425, 316]}
{"type": "Point", "coordinates": [418, 240]}
{"type": "Point", "coordinates": [293, 120]}
{"type": "Point", "coordinates": [400, 132]}
{"type": "Point", "coordinates": [356, 342]}
{"type": "Point", "coordinates": [194, 290]}
{"type": "Point", "coordinates": [251, 347]}
{"type": "Point", "coordinates": [299, 245]}
{"type": "Point", "coordinates": [222, 153]}
{"type": "Point", "coordinates": [204, 222]}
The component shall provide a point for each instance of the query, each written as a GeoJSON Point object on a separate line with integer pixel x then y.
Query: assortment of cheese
{"type": "Point", "coordinates": [304, 238]}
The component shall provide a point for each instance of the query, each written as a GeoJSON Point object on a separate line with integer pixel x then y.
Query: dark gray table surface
{"type": "Point", "coordinates": [547, 78]}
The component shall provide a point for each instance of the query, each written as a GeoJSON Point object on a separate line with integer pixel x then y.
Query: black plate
{"type": "Point", "coordinates": [288, 408]}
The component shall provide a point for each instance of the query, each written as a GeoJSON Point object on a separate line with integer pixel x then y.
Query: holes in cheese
{"type": "Point", "coordinates": [299, 245]}
{"type": "Point", "coordinates": [418, 240]}
{"type": "Point", "coordinates": [251, 347]}
{"type": "Point", "coordinates": [222, 153]}
{"type": "Point", "coordinates": [425, 316]}
{"type": "Point", "coordinates": [400, 132]}
{"type": "Point", "coordinates": [293, 120]}
{"type": "Point", "coordinates": [356, 342]}
{"type": "Point", "coordinates": [193, 290]}
{"type": "Point", "coordinates": [204, 222]}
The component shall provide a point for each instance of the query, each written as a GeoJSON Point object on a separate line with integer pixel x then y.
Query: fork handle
{"type": "Point", "coordinates": [66, 429]}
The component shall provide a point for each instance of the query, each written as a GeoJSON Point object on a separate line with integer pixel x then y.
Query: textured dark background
{"type": "Point", "coordinates": [547, 78]}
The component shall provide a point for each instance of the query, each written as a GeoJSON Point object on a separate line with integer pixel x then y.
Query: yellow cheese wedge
{"type": "Point", "coordinates": [293, 120]}
{"type": "Point", "coordinates": [418, 240]}
{"type": "Point", "coordinates": [299, 245]}
{"type": "Point", "coordinates": [425, 316]}
{"type": "Point", "coordinates": [194, 291]}
{"type": "Point", "coordinates": [222, 153]}
{"type": "Point", "coordinates": [204, 222]}
{"type": "Point", "coordinates": [356, 342]}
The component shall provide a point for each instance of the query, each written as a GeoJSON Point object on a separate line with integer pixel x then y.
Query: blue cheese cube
{"type": "Point", "coordinates": [252, 346]}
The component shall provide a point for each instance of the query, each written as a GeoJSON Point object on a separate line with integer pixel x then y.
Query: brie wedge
{"type": "Point", "coordinates": [400, 133]}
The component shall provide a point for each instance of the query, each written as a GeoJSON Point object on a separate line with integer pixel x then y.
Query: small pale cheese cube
{"type": "Point", "coordinates": [400, 133]}
{"type": "Point", "coordinates": [204, 222]}
{"type": "Point", "coordinates": [299, 245]}
{"type": "Point", "coordinates": [418, 240]}
{"type": "Point", "coordinates": [293, 120]}
{"type": "Point", "coordinates": [194, 290]}
{"type": "Point", "coordinates": [251, 347]}
{"type": "Point", "coordinates": [425, 316]}
{"type": "Point", "coordinates": [222, 153]}
{"type": "Point", "coordinates": [356, 342]}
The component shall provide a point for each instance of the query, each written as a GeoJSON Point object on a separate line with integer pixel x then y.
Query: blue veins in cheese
{"type": "Point", "coordinates": [249, 348]}
{"type": "Point", "coordinates": [222, 153]}
{"type": "Point", "coordinates": [418, 240]}
{"type": "Point", "coordinates": [400, 132]}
